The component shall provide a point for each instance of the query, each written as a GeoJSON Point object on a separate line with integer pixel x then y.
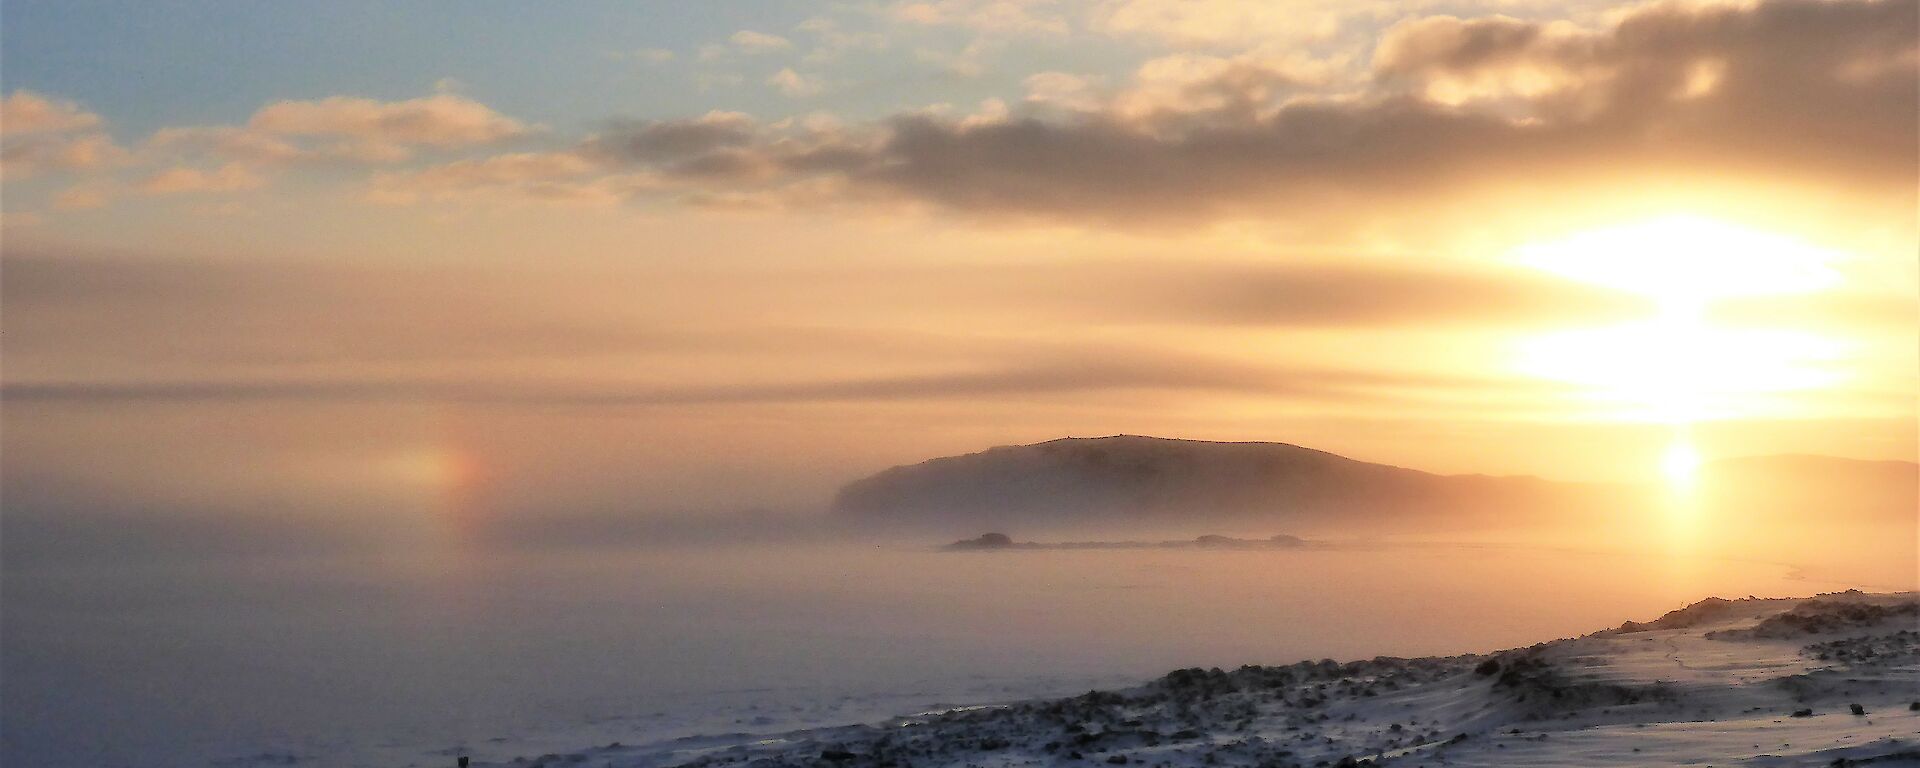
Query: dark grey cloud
{"type": "Point", "coordinates": [1454, 45]}
{"type": "Point", "coordinates": [1820, 91]}
{"type": "Point", "coordinates": [654, 141]}
{"type": "Point", "coordinates": [1347, 296]}
{"type": "Point", "coordinates": [1811, 85]}
{"type": "Point", "coordinates": [1282, 293]}
{"type": "Point", "coordinates": [1108, 169]}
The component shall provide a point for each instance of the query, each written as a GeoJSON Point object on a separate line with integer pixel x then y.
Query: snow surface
{"type": "Point", "coordinates": [1749, 682]}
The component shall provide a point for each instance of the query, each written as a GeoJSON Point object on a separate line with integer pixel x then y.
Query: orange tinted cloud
{"type": "Point", "coordinates": [441, 120]}
{"type": "Point", "coordinates": [40, 133]}
{"type": "Point", "coordinates": [23, 112]}
{"type": "Point", "coordinates": [179, 179]}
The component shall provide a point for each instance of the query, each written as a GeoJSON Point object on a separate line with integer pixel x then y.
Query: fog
{"type": "Point", "coordinates": [376, 584]}
{"type": "Point", "coordinates": [381, 659]}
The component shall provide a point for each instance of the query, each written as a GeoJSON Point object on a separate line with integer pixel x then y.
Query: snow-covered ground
{"type": "Point", "coordinates": [1831, 680]}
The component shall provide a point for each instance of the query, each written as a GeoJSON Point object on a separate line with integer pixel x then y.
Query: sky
{"type": "Point", "coordinates": [481, 260]}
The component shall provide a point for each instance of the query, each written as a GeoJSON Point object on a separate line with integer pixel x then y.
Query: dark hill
{"type": "Point", "coordinates": [1150, 482]}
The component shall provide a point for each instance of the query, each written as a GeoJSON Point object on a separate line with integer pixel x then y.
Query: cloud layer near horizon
{"type": "Point", "coordinates": [1800, 89]}
{"type": "Point", "coordinates": [126, 329]}
{"type": "Point", "coordinates": [1811, 91]}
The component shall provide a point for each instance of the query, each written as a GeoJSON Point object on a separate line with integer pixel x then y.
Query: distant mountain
{"type": "Point", "coordinates": [1826, 489]}
{"type": "Point", "coordinates": [1128, 481]}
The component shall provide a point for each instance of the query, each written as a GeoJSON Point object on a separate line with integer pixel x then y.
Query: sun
{"type": "Point", "coordinates": [1681, 463]}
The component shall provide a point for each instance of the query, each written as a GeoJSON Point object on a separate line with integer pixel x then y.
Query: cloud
{"type": "Point", "coordinates": [554, 177]}
{"type": "Point", "coordinates": [1733, 59]}
{"type": "Point", "coordinates": [833, 41]}
{"type": "Point", "coordinates": [43, 134]}
{"type": "Point", "coordinates": [968, 62]}
{"type": "Point", "coordinates": [20, 219]}
{"type": "Point", "coordinates": [506, 169]}
{"type": "Point", "coordinates": [648, 55]}
{"type": "Point", "coordinates": [33, 154]}
{"type": "Point", "coordinates": [159, 315]}
{"type": "Point", "coordinates": [150, 317]}
{"type": "Point", "coordinates": [1006, 17]}
{"type": "Point", "coordinates": [174, 180]}
{"type": "Point", "coordinates": [628, 160]}
{"type": "Point", "coordinates": [1183, 87]}
{"type": "Point", "coordinates": [233, 142]}
{"type": "Point", "coordinates": [85, 196]}
{"type": "Point", "coordinates": [260, 147]}
{"type": "Point", "coordinates": [1455, 61]}
{"type": "Point", "coordinates": [1445, 105]}
{"type": "Point", "coordinates": [661, 141]}
{"type": "Point", "coordinates": [793, 84]}
{"type": "Point", "coordinates": [1063, 90]}
{"type": "Point", "coordinates": [1448, 106]}
{"type": "Point", "coordinates": [1063, 375]}
{"type": "Point", "coordinates": [1843, 312]}
{"type": "Point", "coordinates": [1325, 295]}
{"type": "Point", "coordinates": [1186, 84]}
{"type": "Point", "coordinates": [441, 120]}
{"type": "Point", "coordinates": [1630, 95]}
{"type": "Point", "coordinates": [749, 41]}
{"type": "Point", "coordinates": [1223, 23]}
{"type": "Point", "coordinates": [228, 158]}
{"type": "Point", "coordinates": [26, 112]}
{"type": "Point", "coordinates": [184, 179]}
{"type": "Point", "coordinates": [40, 133]}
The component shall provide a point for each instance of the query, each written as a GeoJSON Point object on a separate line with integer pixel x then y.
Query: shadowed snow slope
{"type": "Point", "coordinates": [1722, 682]}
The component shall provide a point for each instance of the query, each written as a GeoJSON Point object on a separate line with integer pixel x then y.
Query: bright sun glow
{"type": "Point", "coordinates": [1680, 463]}
{"type": "Point", "coordinates": [1678, 366]}
{"type": "Point", "coordinates": [1686, 261]}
